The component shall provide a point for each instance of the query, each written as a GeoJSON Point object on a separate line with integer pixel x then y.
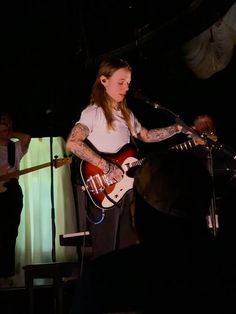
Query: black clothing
{"type": "Point", "coordinates": [172, 270]}
{"type": "Point", "coordinates": [224, 168]}
{"type": "Point", "coordinates": [11, 207]}
{"type": "Point", "coordinates": [139, 279]}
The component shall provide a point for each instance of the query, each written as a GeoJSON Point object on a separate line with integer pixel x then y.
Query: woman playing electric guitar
{"type": "Point", "coordinates": [108, 124]}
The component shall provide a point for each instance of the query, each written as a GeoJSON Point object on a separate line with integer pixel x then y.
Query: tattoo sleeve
{"type": "Point", "coordinates": [160, 134]}
{"type": "Point", "coordinates": [75, 144]}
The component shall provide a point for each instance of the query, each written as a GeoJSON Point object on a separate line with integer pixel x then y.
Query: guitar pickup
{"type": "Point", "coordinates": [95, 184]}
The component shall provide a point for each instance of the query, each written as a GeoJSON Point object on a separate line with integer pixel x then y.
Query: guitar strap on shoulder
{"type": "Point", "coordinates": [91, 146]}
{"type": "Point", "coordinates": [132, 140]}
{"type": "Point", "coordinates": [11, 153]}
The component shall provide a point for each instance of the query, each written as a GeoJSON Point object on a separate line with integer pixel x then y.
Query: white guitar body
{"type": "Point", "coordinates": [121, 187]}
{"type": "Point", "coordinates": [103, 193]}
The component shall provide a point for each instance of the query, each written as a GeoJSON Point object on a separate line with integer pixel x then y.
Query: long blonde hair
{"type": "Point", "coordinates": [99, 96]}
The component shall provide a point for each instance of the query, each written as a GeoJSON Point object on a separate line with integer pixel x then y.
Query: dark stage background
{"type": "Point", "coordinates": [50, 53]}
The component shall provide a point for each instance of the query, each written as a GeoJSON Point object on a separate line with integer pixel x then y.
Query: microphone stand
{"type": "Point", "coordinates": [52, 203]}
{"type": "Point", "coordinates": [209, 144]}
{"type": "Point", "coordinates": [210, 167]}
{"type": "Point", "coordinates": [53, 225]}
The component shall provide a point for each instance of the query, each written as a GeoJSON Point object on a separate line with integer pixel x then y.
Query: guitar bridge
{"type": "Point", "coordinates": [95, 184]}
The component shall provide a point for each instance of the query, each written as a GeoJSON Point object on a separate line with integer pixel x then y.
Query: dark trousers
{"type": "Point", "coordinates": [115, 230]}
{"type": "Point", "coordinates": [11, 204]}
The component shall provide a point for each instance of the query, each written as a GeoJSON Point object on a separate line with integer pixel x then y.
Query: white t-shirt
{"type": "Point", "coordinates": [4, 156]}
{"type": "Point", "coordinates": [104, 139]}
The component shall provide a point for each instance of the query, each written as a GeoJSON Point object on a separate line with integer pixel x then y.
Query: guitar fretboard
{"type": "Point", "coordinates": [137, 163]}
{"type": "Point", "coordinates": [186, 145]}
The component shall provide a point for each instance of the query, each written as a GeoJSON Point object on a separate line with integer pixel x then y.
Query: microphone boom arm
{"type": "Point", "coordinates": [186, 128]}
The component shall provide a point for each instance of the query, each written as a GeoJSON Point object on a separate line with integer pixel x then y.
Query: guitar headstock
{"type": "Point", "coordinates": [58, 162]}
{"type": "Point", "coordinates": [212, 136]}
{"type": "Point", "coordinates": [203, 139]}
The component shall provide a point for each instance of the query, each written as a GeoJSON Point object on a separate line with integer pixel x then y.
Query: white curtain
{"type": "Point", "coordinates": [211, 51]}
{"type": "Point", "coordinates": [34, 241]}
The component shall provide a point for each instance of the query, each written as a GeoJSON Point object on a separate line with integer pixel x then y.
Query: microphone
{"type": "Point", "coordinates": [137, 95]}
{"type": "Point", "coordinates": [50, 117]}
{"type": "Point", "coordinates": [49, 112]}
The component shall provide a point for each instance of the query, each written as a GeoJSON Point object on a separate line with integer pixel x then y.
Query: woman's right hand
{"type": "Point", "coordinates": [115, 173]}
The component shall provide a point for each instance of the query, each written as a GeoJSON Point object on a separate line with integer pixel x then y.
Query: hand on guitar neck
{"type": "Point", "coordinates": [204, 139]}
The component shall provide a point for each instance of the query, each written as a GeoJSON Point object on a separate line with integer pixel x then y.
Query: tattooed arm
{"type": "Point", "coordinates": [160, 134]}
{"type": "Point", "coordinates": [75, 144]}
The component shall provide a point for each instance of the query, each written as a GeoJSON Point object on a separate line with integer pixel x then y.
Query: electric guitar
{"type": "Point", "coordinates": [195, 141]}
{"type": "Point", "coordinates": [101, 191]}
{"type": "Point", "coordinates": [15, 174]}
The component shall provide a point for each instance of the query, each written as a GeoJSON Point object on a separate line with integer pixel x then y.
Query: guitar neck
{"type": "Point", "coordinates": [24, 171]}
{"type": "Point", "coordinates": [137, 163]}
{"type": "Point", "coordinates": [18, 173]}
{"type": "Point", "coordinates": [185, 145]}
{"type": "Point", "coordinates": [196, 141]}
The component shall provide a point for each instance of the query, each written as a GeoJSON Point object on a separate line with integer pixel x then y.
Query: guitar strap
{"type": "Point", "coordinates": [91, 146]}
{"type": "Point", "coordinates": [11, 153]}
{"type": "Point", "coordinates": [132, 140]}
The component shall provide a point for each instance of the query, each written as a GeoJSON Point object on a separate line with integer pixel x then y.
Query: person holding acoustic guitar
{"type": "Point", "coordinates": [11, 197]}
{"type": "Point", "coordinates": [101, 140]}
